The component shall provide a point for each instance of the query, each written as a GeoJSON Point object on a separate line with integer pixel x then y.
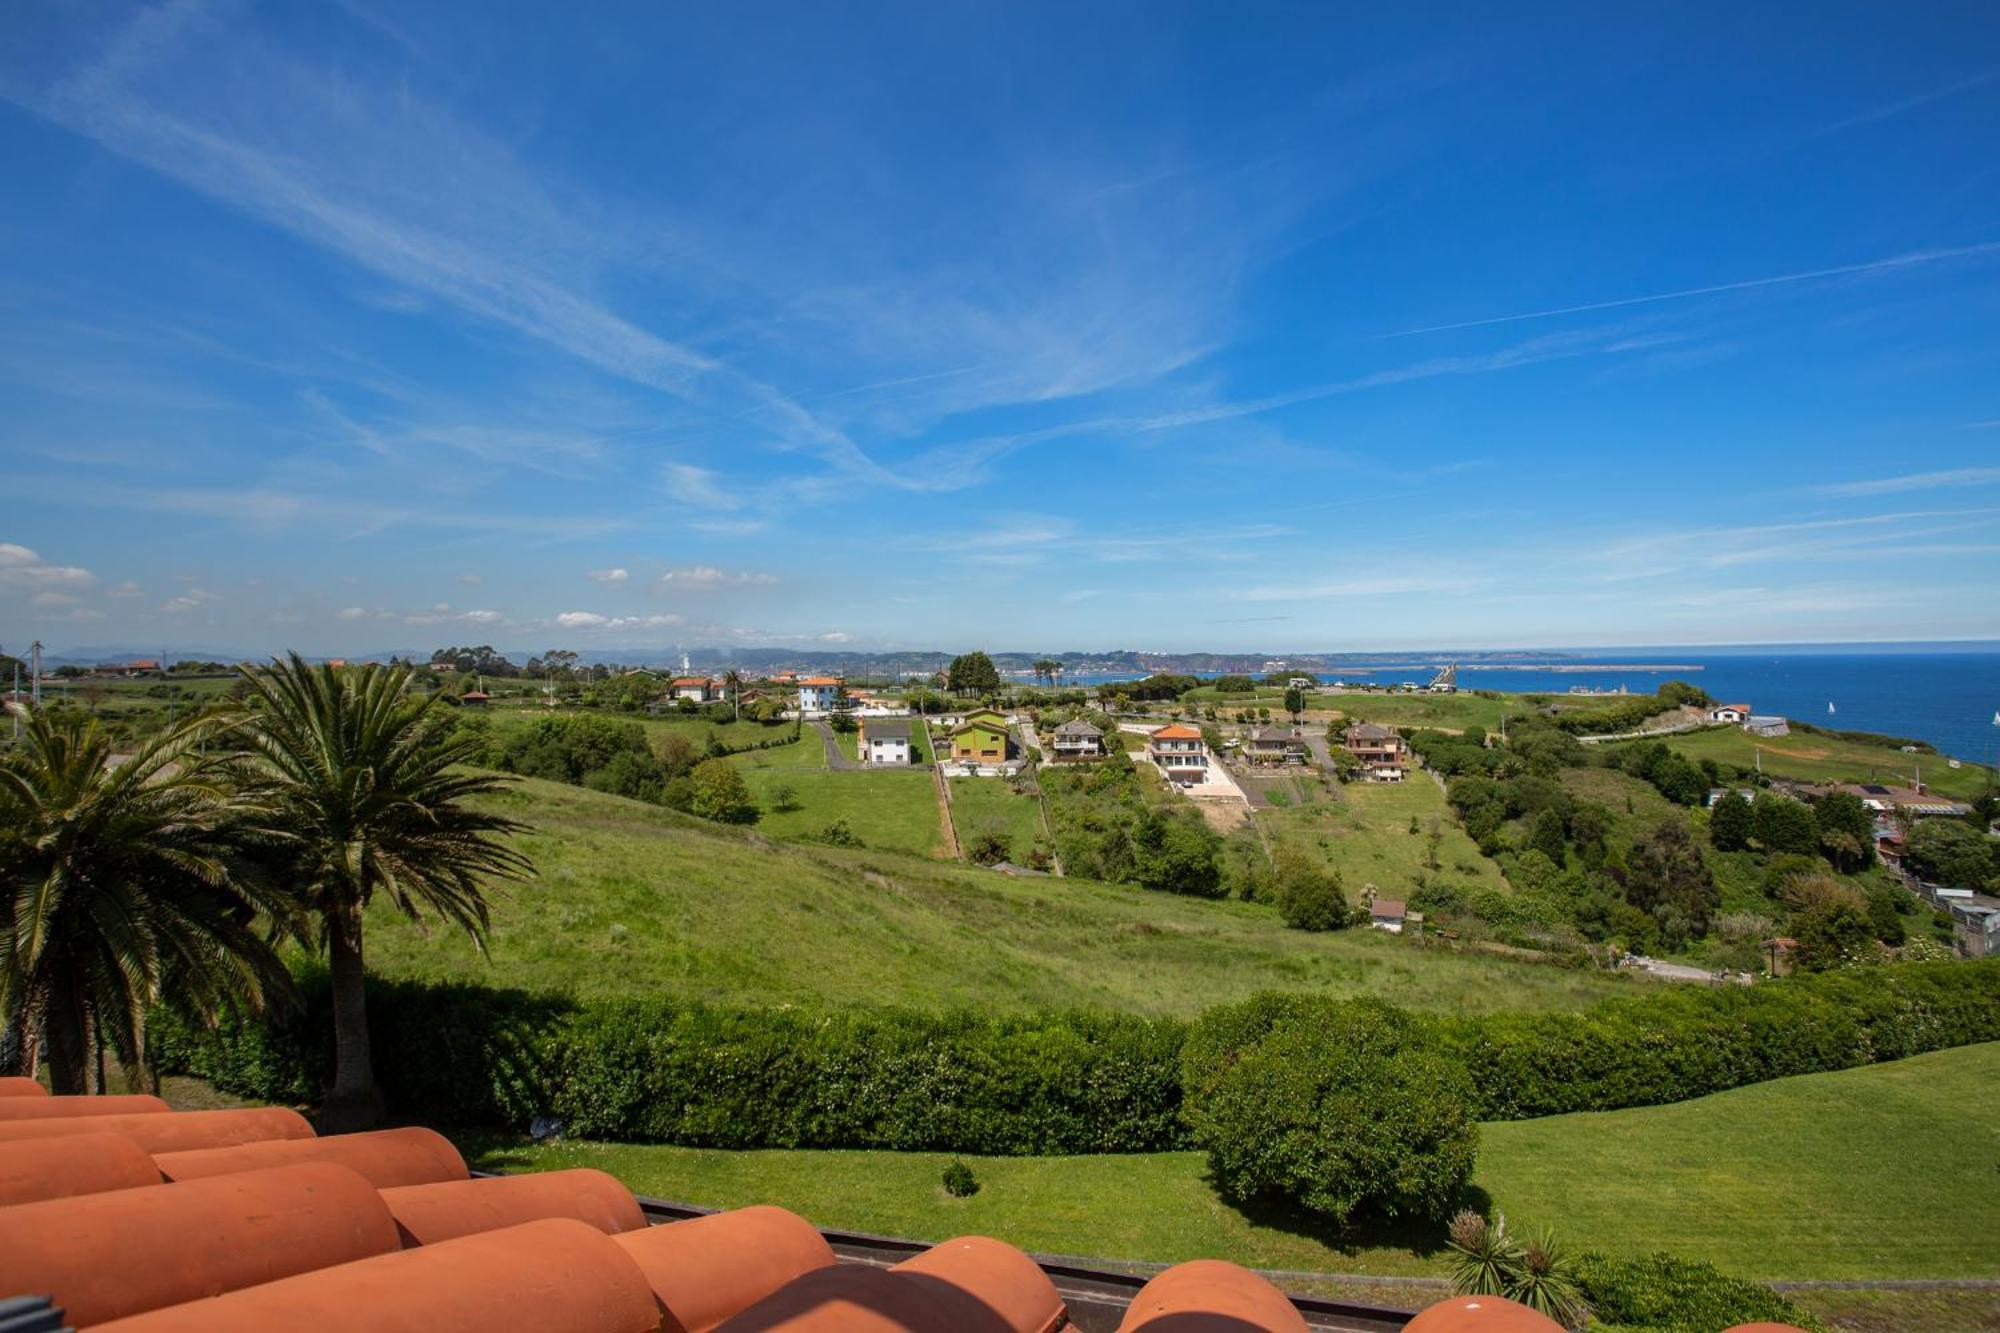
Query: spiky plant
{"type": "Point", "coordinates": [1484, 1258]}
{"type": "Point", "coordinates": [362, 797]}
{"type": "Point", "coordinates": [1544, 1279]}
{"type": "Point", "coordinates": [124, 881]}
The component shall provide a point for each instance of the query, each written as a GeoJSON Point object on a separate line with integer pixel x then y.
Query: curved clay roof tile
{"type": "Point", "coordinates": [170, 1133]}
{"type": "Point", "coordinates": [50, 1108]}
{"type": "Point", "coordinates": [1480, 1314]}
{"type": "Point", "coordinates": [14, 1085]}
{"type": "Point", "coordinates": [1210, 1296]}
{"type": "Point", "coordinates": [385, 1158]}
{"type": "Point", "coordinates": [104, 1256]}
{"type": "Point", "coordinates": [79, 1164]}
{"type": "Point", "coordinates": [999, 1277]}
{"type": "Point", "coordinates": [706, 1269]}
{"type": "Point", "coordinates": [427, 1214]}
{"type": "Point", "coordinates": [554, 1276]}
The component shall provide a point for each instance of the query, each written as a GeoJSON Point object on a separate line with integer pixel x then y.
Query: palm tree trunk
{"type": "Point", "coordinates": [354, 1102]}
{"type": "Point", "coordinates": [68, 1029]}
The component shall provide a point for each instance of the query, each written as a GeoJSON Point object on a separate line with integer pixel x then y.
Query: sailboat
{"type": "Point", "coordinates": [1829, 705]}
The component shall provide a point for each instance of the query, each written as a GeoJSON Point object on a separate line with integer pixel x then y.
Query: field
{"type": "Point", "coordinates": [1366, 836]}
{"type": "Point", "coordinates": [892, 809]}
{"type": "Point", "coordinates": [1813, 758]}
{"type": "Point", "coordinates": [990, 805]}
{"type": "Point", "coordinates": [629, 898]}
{"type": "Point", "coordinates": [1868, 1173]}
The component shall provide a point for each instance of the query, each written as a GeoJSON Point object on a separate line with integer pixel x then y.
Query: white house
{"type": "Point", "coordinates": [698, 688]}
{"type": "Point", "coordinates": [1077, 739]}
{"type": "Point", "coordinates": [1179, 752]}
{"type": "Point", "coordinates": [885, 740]}
{"type": "Point", "coordinates": [816, 693]}
{"type": "Point", "coordinates": [1732, 713]}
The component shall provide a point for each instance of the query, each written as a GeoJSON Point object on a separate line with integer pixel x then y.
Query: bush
{"type": "Point", "coordinates": [1658, 1291]}
{"type": "Point", "coordinates": [1334, 1106]}
{"type": "Point", "coordinates": [959, 1182]}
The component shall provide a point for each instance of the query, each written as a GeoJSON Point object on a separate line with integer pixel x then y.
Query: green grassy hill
{"type": "Point", "coordinates": [1818, 757]}
{"type": "Point", "coordinates": [631, 898]}
{"type": "Point", "coordinates": [1882, 1172]}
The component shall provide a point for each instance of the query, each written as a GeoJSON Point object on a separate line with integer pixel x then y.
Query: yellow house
{"type": "Point", "coordinates": [980, 738]}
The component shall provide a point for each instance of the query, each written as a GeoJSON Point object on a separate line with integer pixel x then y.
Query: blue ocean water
{"type": "Point", "coordinates": [1945, 695]}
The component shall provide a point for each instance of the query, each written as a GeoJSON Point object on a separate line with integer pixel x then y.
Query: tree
{"type": "Point", "coordinates": [1667, 879]}
{"type": "Point", "coordinates": [1833, 932]}
{"type": "Point", "coordinates": [732, 687]}
{"type": "Point", "coordinates": [1846, 831]}
{"type": "Point", "coordinates": [721, 794]}
{"type": "Point", "coordinates": [1781, 824]}
{"type": "Point", "coordinates": [120, 885]}
{"type": "Point", "coordinates": [1295, 700]}
{"type": "Point", "coordinates": [1730, 823]}
{"type": "Point", "coordinates": [1546, 836]}
{"type": "Point", "coordinates": [972, 674]}
{"type": "Point", "coordinates": [1941, 851]}
{"type": "Point", "coordinates": [1178, 855]}
{"type": "Point", "coordinates": [358, 796]}
{"type": "Point", "coordinates": [1309, 896]}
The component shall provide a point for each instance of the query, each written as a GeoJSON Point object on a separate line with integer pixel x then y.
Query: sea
{"type": "Point", "coordinates": [1946, 694]}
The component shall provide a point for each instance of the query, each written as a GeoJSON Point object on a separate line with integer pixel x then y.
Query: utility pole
{"type": "Point", "coordinates": [35, 676]}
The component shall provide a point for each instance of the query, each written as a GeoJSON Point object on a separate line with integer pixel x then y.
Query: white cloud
{"type": "Point", "coordinates": [582, 620]}
{"type": "Point", "coordinates": [20, 567]}
{"type": "Point", "coordinates": [52, 599]}
{"type": "Point", "coordinates": [190, 600]}
{"type": "Point", "coordinates": [1916, 481]}
{"type": "Point", "coordinates": [471, 580]}
{"type": "Point", "coordinates": [836, 636]}
{"type": "Point", "coordinates": [708, 576]}
{"type": "Point", "coordinates": [697, 486]}
{"type": "Point", "coordinates": [609, 575]}
{"type": "Point", "coordinates": [352, 613]}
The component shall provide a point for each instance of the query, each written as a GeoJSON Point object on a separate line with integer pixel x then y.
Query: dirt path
{"type": "Point", "coordinates": [943, 785]}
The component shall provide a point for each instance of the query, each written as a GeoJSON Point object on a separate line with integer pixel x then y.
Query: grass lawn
{"type": "Point", "coordinates": [894, 809]}
{"type": "Point", "coordinates": [990, 805]}
{"type": "Point", "coordinates": [1366, 837]}
{"type": "Point", "coordinates": [631, 899]}
{"type": "Point", "coordinates": [1847, 1175]}
{"type": "Point", "coordinates": [1812, 758]}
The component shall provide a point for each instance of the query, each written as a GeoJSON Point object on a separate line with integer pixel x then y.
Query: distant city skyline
{"type": "Point", "coordinates": [363, 328]}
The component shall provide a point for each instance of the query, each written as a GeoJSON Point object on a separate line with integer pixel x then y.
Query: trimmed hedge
{"type": "Point", "coordinates": [1056, 1082]}
{"type": "Point", "coordinates": [1662, 1294]}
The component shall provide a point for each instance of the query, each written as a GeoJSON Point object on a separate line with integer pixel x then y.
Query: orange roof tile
{"type": "Point", "coordinates": [1178, 732]}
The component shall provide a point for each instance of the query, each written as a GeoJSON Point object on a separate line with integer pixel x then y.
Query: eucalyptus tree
{"type": "Point", "coordinates": [364, 797]}
{"type": "Point", "coordinates": [125, 881]}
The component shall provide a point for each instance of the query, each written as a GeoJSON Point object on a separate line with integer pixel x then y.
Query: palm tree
{"type": "Point", "coordinates": [363, 797]}
{"type": "Point", "coordinates": [732, 685]}
{"type": "Point", "coordinates": [122, 883]}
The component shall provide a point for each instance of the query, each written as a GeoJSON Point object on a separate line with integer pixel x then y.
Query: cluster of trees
{"type": "Point", "coordinates": [1837, 826]}
{"type": "Point", "coordinates": [176, 875]}
{"type": "Point", "coordinates": [1944, 851]}
{"type": "Point", "coordinates": [972, 674]}
{"type": "Point", "coordinates": [1672, 775]}
{"type": "Point", "coordinates": [609, 755]}
{"type": "Point", "coordinates": [483, 660]}
{"type": "Point", "coordinates": [1105, 829]}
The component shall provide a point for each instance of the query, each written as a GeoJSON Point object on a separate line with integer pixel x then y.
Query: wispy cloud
{"type": "Point", "coordinates": [609, 575]}
{"type": "Point", "coordinates": [1364, 585]}
{"type": "Point", "coordinates": [1913, 259]}
{"type": "Point", "coordinates": [703, 577]}
{"type": "Point", "coordinates": [21, 567]}
{"type": "Point", "coordinates": [697, 486]}
{"type": "Point", "coordinates": [1914, 481]}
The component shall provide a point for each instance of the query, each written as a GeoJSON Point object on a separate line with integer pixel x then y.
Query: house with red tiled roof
{"type": "Point", "coordinates": [1736, 714]}
{"type": "Point", "coordinates": [698, 688]}
{"type": "Point", "coordinates": [817, 693]}
{"type": "Point", "coordinates": [1179, 752]}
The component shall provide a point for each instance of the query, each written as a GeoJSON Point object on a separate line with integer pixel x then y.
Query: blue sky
{"type": "Point", "coordinates": [364, 326]}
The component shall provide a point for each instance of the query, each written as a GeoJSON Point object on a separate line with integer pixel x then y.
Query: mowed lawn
{"type": "Point", "coordinates": [981, 806]}
{"type": "Point", "coordinates": [1812, 758]}
{"type": "Point", "coordinates": [895, 809]}
{"type": "Point", "coordinates": [1884, 1172]}
{"type": "Point", "coordinates": [1366, 836]}
{"type": "Point", "coordinates": [629, 898]}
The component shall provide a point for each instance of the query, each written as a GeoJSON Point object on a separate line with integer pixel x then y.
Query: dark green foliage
{"type": "Point", "coordinates": [1730, 823]}
{"type": "Point", "coordinates": [1943, 851]}
{"type": "Point", "coordinates": [987, 849]}
{"type": "Point", "coordinates": [1781, 824]}
{"type": "Point", "coordinates": [959, 1182]}
{"type": "Point", "coordinates": [1660, 1292]}
{"type": "Point", "coordinates": [1309, 896]}
{"type": "Point", "coordinates": [1053, 1082]}
{"type": "Point", "coordinates": [1545, 835]}
{"type": "Point", "coordinates": [1667, 879]}
{"type": "Point", "coordinates": [972, 673]}
{"type": "Point", "coordinates": [1833, 932]}
{"type": "Point", "coordinates": [1676, 779]}
{"type": "Point", "coordinates": [1233, 685]}
{"type": "Point", "coordinates": [1846, 831]}
{"type": "Point", "coordinates": [719, 793]}
{"type": "Point", "coordinates": [1177, 853]}
{"type": "Point", "coordinates": [1337, 1107]}
{"type": "Point", "coordinates": [1680, 694]}
{"type": "Point", "coordinates": [1885, 913]}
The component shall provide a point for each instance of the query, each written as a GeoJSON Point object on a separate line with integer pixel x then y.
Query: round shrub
{"type": "Point", "coordinates": [1336, 1107]}
{"type": "Point", "coordinates": [959, 1182]}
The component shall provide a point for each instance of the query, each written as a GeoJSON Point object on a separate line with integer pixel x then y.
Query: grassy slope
{"type": "Point", "coordinates": [1366, 836]}
{"type": "Point", "coordinates": [1847, 1175]}
{"type": "Point", "coordinates": [725, 914]}
{"type": "Point", "coordinates": [1813, 758]}
{"type": "Point", "coordinates": [990, 805]}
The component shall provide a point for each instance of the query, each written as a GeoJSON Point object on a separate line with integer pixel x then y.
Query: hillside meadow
{"type": "Point", "coordinates": [1819, 757]}
{"type": "Point", "coordinates": [1847, 1175]}
{"type": "Point", "coordinates": [632, 899]}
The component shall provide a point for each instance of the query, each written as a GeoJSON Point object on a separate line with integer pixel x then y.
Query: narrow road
{"type": "Point", "coordinates": [836, 758]}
